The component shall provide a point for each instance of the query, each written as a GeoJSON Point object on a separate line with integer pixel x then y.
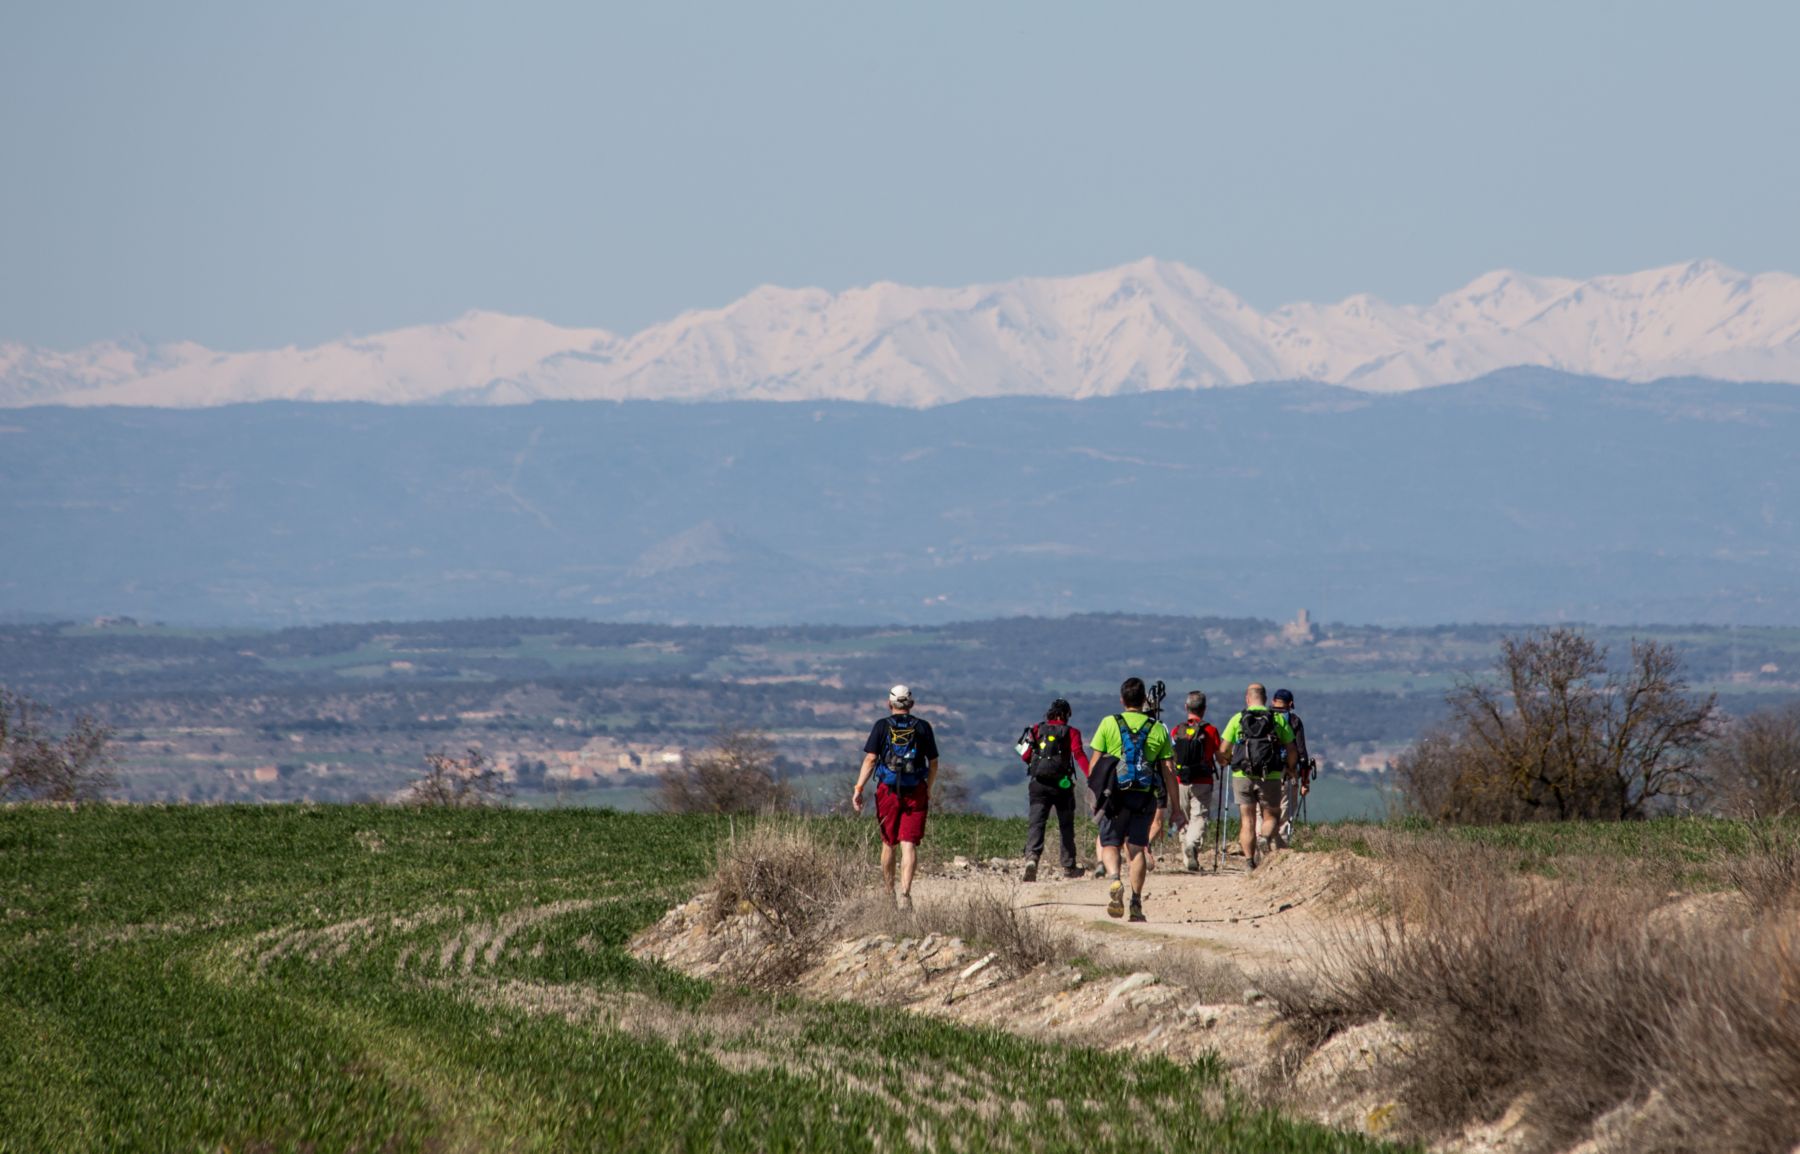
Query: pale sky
{"type": "Point", "coordinates": [260, 174]}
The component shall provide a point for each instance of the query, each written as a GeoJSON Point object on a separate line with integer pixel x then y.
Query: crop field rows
{"type": "Point", "coordinates": [373, 979]}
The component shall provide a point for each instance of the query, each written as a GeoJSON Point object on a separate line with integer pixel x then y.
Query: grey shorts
{"type": "Point", "coordinates": [1258, 791]}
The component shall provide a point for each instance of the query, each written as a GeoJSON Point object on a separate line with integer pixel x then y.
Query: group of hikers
{"type": "Point", "coordinates": [1143, 779]}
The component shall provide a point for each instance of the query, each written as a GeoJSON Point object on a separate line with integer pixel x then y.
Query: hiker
{"type": "Point", "coordinates": [903, 755]}
{"type": "Point", "coordinates": [1196, 755]}
{"type": "Point", "coordinates": [1299, 784]}
{"type": "Point", "coordinates": [1052, 749]}
{"type": "Point", "coordinates": [1260, 748]}
{"type": "Point", "coordinates": [1132, 776]}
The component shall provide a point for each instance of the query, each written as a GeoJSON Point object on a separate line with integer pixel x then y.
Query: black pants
{"type": "Point", "coordinates": [1044, 798]}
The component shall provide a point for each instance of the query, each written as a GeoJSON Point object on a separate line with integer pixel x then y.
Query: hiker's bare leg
{"type": "Point", "coordinates": [909, 861]}
{"type": "Point", "coordinates": [1247, 829]}
{"type": "Point", "coordinates": [1270, 818]}
{"type": "Point", "coordinates": [1139, 857]}
{"type": "Point", "coordinates": [1109, 857]}
{"type": "Point", "coordinates": [887, 866]}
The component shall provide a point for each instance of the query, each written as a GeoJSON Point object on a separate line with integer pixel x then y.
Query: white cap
{"type": "Point", "coordinates": [900, 695]}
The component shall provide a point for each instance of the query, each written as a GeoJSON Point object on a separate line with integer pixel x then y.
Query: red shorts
{"type": "Point", "coordinates": [901, 813]}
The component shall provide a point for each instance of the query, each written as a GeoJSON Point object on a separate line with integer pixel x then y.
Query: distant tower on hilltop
{"type": "Point", "coordinates": [1301, 630]}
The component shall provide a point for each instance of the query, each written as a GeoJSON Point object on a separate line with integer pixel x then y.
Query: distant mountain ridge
{"type": "Point", "coordinates": [1525, 496]}
{"type": "Point", "coordinates": [1143, 327]}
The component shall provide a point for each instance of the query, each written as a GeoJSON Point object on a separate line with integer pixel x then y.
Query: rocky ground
{"type": "Point", "coordinates": [1196, 979]}
{"type": "Point", "coordinates": [1191, 981]}
{"type": "Point", "coordinates": [1186, 983]}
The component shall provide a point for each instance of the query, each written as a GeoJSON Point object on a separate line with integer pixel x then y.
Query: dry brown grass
{"type": "Point", "coordinates": [797, 883]}
{"type": "Point", "coordinates": [1206, 977]}
{"type": "Point", "coordinates": [1582, 995]}
{"type": "Point", "coordinates": [1768, 875]}
{"type": "Point", "coordinates": [984, 918]}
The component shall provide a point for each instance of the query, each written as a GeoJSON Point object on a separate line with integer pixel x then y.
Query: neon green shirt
{"type": "Point", "coordinates": [1284, 733]}
{"type": "Point", "coordinates": [1157, 747]}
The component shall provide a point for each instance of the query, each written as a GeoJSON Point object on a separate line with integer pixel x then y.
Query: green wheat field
{"type": "Point", "coordinates": [376, 979]}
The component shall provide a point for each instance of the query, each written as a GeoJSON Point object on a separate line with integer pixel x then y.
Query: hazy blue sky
{"type": "Point", "coordinates": [249, 174]}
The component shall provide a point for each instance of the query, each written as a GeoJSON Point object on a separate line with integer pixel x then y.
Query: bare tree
{"type": "Point", "coordinates": [1558, 736]}
{"type": "Point", "coordinates": [1754, 770]}
{"type": "Point", "coordinates": [39, 764]}
{"type": "Point", "coordinates": [465, 782]}
{"type": "Point", "coordinates": [735, 774]}
{"type": "Point", "coordinates": [950, 793]}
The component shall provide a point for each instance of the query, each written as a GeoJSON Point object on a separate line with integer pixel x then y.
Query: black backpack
{"type": "Point", "coordinates": [1192, 765]}
{"type": "Point", "coordinates": [1052, 757]}
{"type": "Point", "coordinates": [1259, 743]}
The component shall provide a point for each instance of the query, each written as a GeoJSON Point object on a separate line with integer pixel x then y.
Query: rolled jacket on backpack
{"type": "Point", "coordinates": [1103, 779]}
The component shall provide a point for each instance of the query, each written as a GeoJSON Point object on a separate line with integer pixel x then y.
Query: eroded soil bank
{"type": "Point", "coordinates": [1187, 983]}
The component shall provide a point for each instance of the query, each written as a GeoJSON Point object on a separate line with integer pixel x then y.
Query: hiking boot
{"type": "Point", "coordinates": [1099, 869]}
{"type": "Point", "coordinates": [1137, 910]}
{"type": "Point", "coordinates": [1031, 870]}
{"type": "Point", "coordinates": [1072, 872]}
{"type": "Point", "coordinates": [903, 903]}
{"type": "Point", "coordinates": [1115, 900]}
{"type": "Point", "coordinates": [1191, 864]}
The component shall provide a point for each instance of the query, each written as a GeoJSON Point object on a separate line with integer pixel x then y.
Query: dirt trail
{"type": "Point", "coordinates": [1275, 917]}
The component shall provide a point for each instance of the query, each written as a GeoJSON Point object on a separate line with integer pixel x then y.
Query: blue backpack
{"type": "Point", "coordinates": [901, 766]}
{"type": "Point", "coordinates": [1135, 770]}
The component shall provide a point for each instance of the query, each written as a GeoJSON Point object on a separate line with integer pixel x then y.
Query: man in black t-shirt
{"type": "Point", "coordinates": [902, 754]}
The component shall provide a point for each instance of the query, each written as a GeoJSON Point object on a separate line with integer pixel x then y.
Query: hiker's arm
{"type": "Point", "coordinates": [1293, 760]}
{"type": "Point", "coordinates": [862, 779]}
{"type": "Point", "coordinates": [930, 778]}
{"type": "Point", "coordinates": [1172, 791]}
{"type": "Point", "coordinates": [1225, 752]}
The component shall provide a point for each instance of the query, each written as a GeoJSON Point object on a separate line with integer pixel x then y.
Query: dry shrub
{"type": "Point", "coordinates": [1768, 874]}
{"type": "Point", "coordinates": [984, 918]}
{"type": "Point", "coordinates": [39, 764]}
{"type": "Point", "coordinates": [451, 782]}
{"type": "Point", "coordinates": [1209, 979]}
{"type": "Point", "coordinates": [796, 882]}
{"type": "Point", "coordinates": [1574, 991]}
{"type": "Point", "coordinates": [1726, 1072]}
{"type": "Point", "coordinates": [1755, 767]}
{"type": "Point", "coordinates": [735, 774]}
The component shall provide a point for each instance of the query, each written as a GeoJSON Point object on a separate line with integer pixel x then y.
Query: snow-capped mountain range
{"type": "Point", "coordinates": [1144, 326]}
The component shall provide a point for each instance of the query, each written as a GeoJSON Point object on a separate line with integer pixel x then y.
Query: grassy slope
{"type": "Point", "coordinates": [328, 979]}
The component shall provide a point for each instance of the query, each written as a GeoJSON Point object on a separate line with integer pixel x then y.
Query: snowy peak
{"type": "Point", "coordinates": [1144, 326]}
